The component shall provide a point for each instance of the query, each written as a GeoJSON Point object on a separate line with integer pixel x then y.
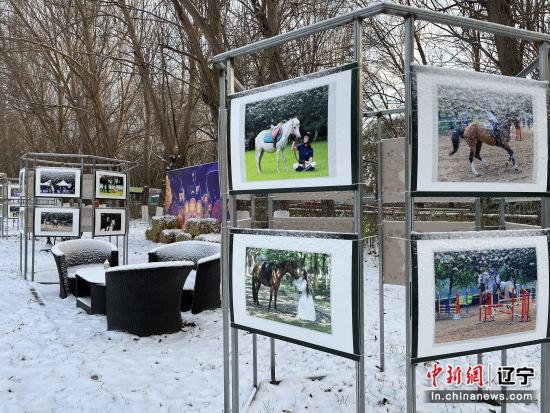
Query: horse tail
{"type": "Point", "coordinates": [455, 139]}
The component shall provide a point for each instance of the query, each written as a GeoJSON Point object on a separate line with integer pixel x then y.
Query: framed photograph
{"type": "Point", "coordinates": [478, 134]}
{"type": "Point", "coordinates": [294, 135]}
{"type": "Point", "coordinates": [23, 181]}
{"type": "Point", "coordinates": [478, 291]}
{"type": "Point", "coordinates": [56, 222]}
{"type": "Point", "coordinates": [57, 182]}
{"type": "Point", "coordinates": [13, 191]}
{"type": "Point", "coordinates": [109, 222]}
{"type": "Point", "coordinates": [2, 194]}
{"type": "Point", "coordinates": [313, 281]}
{"type": "Point", "coordinates": [110, 185]}
{"type": "Point", "coordinates": [13, 211]}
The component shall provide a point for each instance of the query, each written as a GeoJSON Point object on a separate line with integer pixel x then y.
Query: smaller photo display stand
{"type": "Point", "coordinates": [478, 134]}
{"type": "Point", "coordinates": [296, 135]}
{"type": "Point", "coordinates": [13, 191]}
{"type": "Point", "coordinates": [110, 185]}
{"type": "Point", "coordinates": [56, 222]}
{"type": "Point", "coordinates": [478, 291]}
{"type": "Point", "coordinates": [57, 182]}
{"type": "Point", "coordinates": [296, 286]}
{"type": "Point", "coordinates": [109, 222]}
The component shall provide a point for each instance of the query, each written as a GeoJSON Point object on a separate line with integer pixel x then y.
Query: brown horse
{"type": "Point", "coordinates": [271, 274]}
{"type": "Point", "coordinates": [475, 135]}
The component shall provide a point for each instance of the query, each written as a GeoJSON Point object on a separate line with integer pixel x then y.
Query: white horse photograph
{"type": "Point", "coordinates": [276, 140]}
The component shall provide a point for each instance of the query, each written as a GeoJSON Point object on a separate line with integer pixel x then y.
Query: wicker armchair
{"type": "Point", "coordinates": [144, 299]}
{"type": "Point", "coordinates": [202, 288]}
{"type": "Point", "coordinates": [73, 254]}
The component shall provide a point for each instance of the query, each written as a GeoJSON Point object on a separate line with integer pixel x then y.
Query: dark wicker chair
{"type": "Point", "coordinates": [144, 299]}
{"type": "Point", "coordinates": [74, 254]}
{"type": "Point", "coordinates": [202, 288]}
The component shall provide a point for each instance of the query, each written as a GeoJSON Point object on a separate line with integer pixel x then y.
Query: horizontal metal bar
{"type": "Point", "coordinates": [32, 155]}
{"type": "Point", "coordinates": [388, 9]}
{"type": "Point", "coordinates": [529, 68]}
{"type": "Point", "coordinates": [373, 113]}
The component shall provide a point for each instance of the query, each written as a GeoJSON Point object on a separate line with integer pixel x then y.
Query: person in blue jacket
{"type": "Point", "coordinates": [305, 155]}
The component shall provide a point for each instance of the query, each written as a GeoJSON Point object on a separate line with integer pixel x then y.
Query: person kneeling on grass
{"type": "Point", "coordinates": [305, 158]}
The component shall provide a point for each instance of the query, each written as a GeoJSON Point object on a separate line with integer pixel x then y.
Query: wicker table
{"type": "Point", "coordinates": [90, 290]}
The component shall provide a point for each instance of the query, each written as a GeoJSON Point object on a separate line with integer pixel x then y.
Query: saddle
{"type": "Point", "coordinates": [265, 273]}
{"type": "Point", "coordinates": [274, 134]}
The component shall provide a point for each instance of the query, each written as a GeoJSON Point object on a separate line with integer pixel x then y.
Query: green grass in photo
{"type": "Point", "coordinates": [118, 193]}
{"type": "Point", "coordinates": [269, 164]}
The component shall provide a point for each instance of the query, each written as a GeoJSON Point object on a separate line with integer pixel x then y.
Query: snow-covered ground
{"type": "Point", "coordinates": [56, 358]}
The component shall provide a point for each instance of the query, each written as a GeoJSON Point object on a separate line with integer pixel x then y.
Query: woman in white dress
{"type": "Point", "coordinates": [306, 307]}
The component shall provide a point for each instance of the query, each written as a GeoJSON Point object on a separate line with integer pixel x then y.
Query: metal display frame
{"type": "Point", "coordinates": [30, 161]}
{"type": "Point", "coordinates": [227, 85]}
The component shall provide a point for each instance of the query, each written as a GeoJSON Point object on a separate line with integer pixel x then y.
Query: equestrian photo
{"type": "Point", "coordinates": [480, 132]}
{"type": "Point", "coordinates": [290, 287]}
{"type": "Point", "coordinates": [287, 135]}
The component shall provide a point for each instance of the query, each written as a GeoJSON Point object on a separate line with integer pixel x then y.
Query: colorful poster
{"type": "Point", "coordinates": [193, 192]}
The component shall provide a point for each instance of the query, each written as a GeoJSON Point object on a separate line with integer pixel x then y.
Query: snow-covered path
{"type": "Point", "coordinates": [56, 358]}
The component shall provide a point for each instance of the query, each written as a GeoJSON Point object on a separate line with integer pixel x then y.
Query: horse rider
{"type": "Point", "coordinates": [305, 157]}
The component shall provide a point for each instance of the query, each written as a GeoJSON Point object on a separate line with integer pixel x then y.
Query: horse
{"type": "Point", "coordinates": [475, 135]}
{"type": "Point", "coordinates": [271, 274]}
{"type": "Point", "coordinates": [290, 127]}
{"type": "Point", "coordinates": [507, 289]}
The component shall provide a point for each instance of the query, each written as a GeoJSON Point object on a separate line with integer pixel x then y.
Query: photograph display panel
{"type": "Point", "coordinates": [13, 191]}
{"type": "Point", "coordinates": [22, 220]}
{"type": "Point", "coordinates": [478, 133]}
{"type": "Point", "coordinates": [499, 279]}
{"type": "Point", "coordinates": [56, 222]}
{"type": "Point", "coordinates": [110, 185]}
{"type": "Point", "coordinates": [13, 211]}
{"type": "Point", "coordinates": [23, 182]}
{"type": "Point", "coordinates": [314, 284]}
{"type": "Point", "coordinates": [57, 182]}
{"type": "Point", "coordinates": [109, 222]}
{"type": "Point", "coordinates": [275, 120]}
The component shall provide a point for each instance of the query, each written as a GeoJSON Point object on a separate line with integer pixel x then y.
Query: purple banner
{"type": "Point", "coordinates": [193, 192]}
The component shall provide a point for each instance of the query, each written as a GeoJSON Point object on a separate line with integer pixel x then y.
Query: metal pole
{"type": "Point", "coordinates": [33, 226]}
{"type": "Point", "coordinates": [222, 145]}
{"type": "Point", "coordinates": [544, 74]}
{"type": "Point", "coordinates": [477, 217]}
{"type": "Point", "coordinates": [358, 218]}
{"type": "Point", "coordinates": [229, 88]}
{"type": "Point", "coordinates": [503, 354]}
{"type": "Point", "coordinates": [380, 204]}
{"type": "Point", "coordinates": [271, 340]}
{"type": "Point", "coordinates": [409, 212]}
{"type": "Point", "coordinates": [254, 336]}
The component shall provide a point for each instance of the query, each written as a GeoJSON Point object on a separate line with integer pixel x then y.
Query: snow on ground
{"type": "Point", "coordinates": [56, 358]}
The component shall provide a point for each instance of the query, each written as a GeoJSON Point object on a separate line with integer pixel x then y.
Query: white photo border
{"type": "Point", "coordinates": [97, 222]}
{"type": "Point", "coordinates": [425, 162]}
{"type": "Point", "coordinates": [423, 290]}
{"type": "Point", "coordinates": [343, 248]}
{"type": "Point", "coordinates": [77, 183]}
{"type": "Point", "coordinates": [100, 173]}
{"type": "Point", "coordinates": [342, 82]}
{"type": "Point", "coordinates": [75, 227]}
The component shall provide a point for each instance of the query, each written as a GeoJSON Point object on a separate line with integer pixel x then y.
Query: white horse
{"type": "Point", "coordinates": [291, 126]}
{"type": "Point", "coordinates": [507, 289]}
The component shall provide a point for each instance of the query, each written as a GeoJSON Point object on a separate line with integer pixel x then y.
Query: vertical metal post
{"type": "Point", "coordinates": [127, 204]}
{"type": "Point", "coordinates": [25, 220]}
{"type": "Point", "coordinates": [222, 145]}
{"type": "Point", "coordinates": [409, 212]}
{"type": "Point", "coordinates": [477, 218]}
{"type": "Point", "coordinates": [503, 354]}
{"type": "Point", "coordinates": [271, 339]}
{"type": "Point", "coordinates": [358, 217]}
{"type": "Point", "coordinates": [230, 88]}
{"type": "Point", "coordinates": [254, 335]}
{"type": "Point", "coordinates": [380, 220]}
{"type": "Point", "coordinates": [33, 225]}
{"type": "Point", "coordinates": [544, 74]}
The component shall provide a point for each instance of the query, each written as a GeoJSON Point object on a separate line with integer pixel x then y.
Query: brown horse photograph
{"type": "Point", "coordinates": [289, 286]}
{"type": "Point", "coordinates": [484, 136]}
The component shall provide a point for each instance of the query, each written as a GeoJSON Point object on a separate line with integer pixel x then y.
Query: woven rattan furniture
{"type": "Point", "coordinates": [72, 255]}
{"type": "Point", "coordinates": [145, 299]}
{"type": "Point", "coordinates": [202, 288]}
{"type": "Point", "coordinates": [90, 290]}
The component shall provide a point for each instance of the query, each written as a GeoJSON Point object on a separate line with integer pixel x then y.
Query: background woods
{"type": "Point", "coordinates": [133, 78]}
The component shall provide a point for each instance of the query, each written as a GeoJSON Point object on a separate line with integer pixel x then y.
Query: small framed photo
{"type": "Point", "coordinates": [477, 134]}
{"type": "Point", "coordinates": [299, 134]}
{"type": "Point", "coordinates": [478, 291]}
{"type": "Point", "coordinates": [56, 222]}
{"type": "Point", "coordinates": [57, 182]}
{"type": "Point", "coordinates": [110, 185]}
{"type": "Point", "coordinates": [299, 287]}
{"type": "Point", "coordinates": [13, 191]}
{"type": "Point", "coordinates": [22, 220]}
{"type": "Point", "coordinates": [109, 222]}
{"type": "Point", "coordinates": [23, 181]}
{"type": "Point", "coordinates": [13, 211]}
